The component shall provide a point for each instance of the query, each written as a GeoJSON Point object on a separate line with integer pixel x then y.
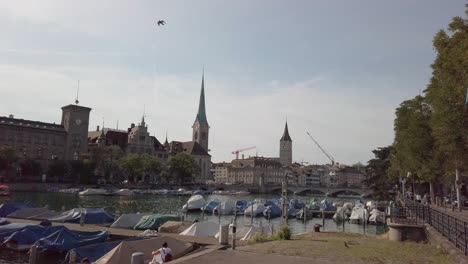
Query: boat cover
{"type": "Point", "coordinates": [30, 234]}
{"type": "Point", "coordinates": [64, 240]}
{"type": "Point", "coordinates": [8, 229]}
{"type": "Point", "coordinates": [91, 216]}
{"type": "Point", "coordinates": [154, 221]}
{"type": "Point", "coordinates": [226, 207]}
{"type": "Point", "coordinates": [195, 202]}
{"type": "Point", "coordinates": [208, 208]}
{"type": "Point", "coordinates": [127, 221]}
{"type": "Point", "coordinates": [174, 227]}
{"type": "Point", "coordinates": [9, 207]}
{"type": "Point", "coordinates": [95, 251]}
{"type": "Point", "coordinates": [202, 229]}
{"type": "Point", "coordinates": [122, 253]}
{"type": "Point", "coordinates": [273, 209]}
{"type": "Point", "coordinates": [37, 213]}
{"type": "Point", "coordinates": [256, 229]}
{"type": "Point", "coordinates": [241, 205]}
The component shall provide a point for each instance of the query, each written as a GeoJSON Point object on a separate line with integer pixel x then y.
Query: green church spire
{"type": "Point", "coordinates": [201, 115]}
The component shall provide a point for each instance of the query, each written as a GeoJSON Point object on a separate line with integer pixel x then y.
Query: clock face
{"type": "Point", "coordinates": [78, 122]}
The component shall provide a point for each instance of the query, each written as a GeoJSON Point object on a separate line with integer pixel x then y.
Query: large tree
{"type": "Point", "coordinates": [414, 144]}
{"type": "Point", "coordinates": [107, 161]}
{"type": "Point", "coordinates": [136, 167]}
{"type": "Point", "coordinates": [182, 168]}
{"type": "Point", "coordinates": [377, 174]}
{"type": "Point", "coordinates": [7, 158]}
{"type": "Point", "coordinates": [446, 95]}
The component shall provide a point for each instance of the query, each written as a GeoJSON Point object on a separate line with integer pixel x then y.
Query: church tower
{"type": "Point", "coordinates": [286, 147]}
{"type": "Point", "coordinates": [200, 126]}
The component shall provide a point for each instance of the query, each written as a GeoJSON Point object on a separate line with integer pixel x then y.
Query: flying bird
{"type": "Point", "coordinates": [161, 22]}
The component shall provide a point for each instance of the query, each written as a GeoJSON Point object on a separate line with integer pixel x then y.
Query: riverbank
{"type": "Point", "coordinates": [331, 247]}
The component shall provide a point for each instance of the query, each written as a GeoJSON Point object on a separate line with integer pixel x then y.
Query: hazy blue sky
{"type": "Point", "coordinates": [337, 68]}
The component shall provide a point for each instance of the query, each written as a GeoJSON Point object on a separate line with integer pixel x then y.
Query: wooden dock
{"type": "Point", "coordinates": [120, 232]}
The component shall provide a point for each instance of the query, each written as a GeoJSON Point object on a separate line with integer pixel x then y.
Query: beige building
{"type": "Point", "coordinates": [220, 172]}
{"type": "Point", "coordinates": [43, 142]}
{"type": "Point", "coordinates": [256, 171]}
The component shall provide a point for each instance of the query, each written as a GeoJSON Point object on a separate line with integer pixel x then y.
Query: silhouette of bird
{"type": "Point", "coordinates": [346, 244]}
{"type": "Point", "coordinates": [161, 22]}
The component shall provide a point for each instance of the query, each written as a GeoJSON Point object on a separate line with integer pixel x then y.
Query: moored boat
{"type": "Point", "coordinates": [92, 191]}
{"type": "Point", "coordinates": [4, 190]}
{"type": "Point", "coordinates": [123, 192]}
{"type": "Point", "coordinates": [194, 203]}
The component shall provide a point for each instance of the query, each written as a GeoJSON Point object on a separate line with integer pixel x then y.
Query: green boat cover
{"type": "Point", "coordinates": [154, 221]}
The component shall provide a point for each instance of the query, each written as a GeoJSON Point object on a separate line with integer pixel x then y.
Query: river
{"type": "Point", "coordinates": [169, 204]}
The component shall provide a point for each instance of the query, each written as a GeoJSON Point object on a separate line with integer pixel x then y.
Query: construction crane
{"type": "Point", "coordinates": [330, 157]}
{"type": "Point", "coordinates": [236, 152]}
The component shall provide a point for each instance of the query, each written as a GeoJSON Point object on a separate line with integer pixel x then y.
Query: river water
{"type": "Point", "coordinates": [171, 204]}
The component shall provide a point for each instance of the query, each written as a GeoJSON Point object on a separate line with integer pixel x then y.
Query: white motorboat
{"type": "Point", "coordinates": [242, 193]}
{"type": "Point", "coordinates": [194, 203]}
{"type": "Point", "coordinates": [340, 214]}
{"type": "Point", "coordinates": [376, 217]}
{"type": "Point", "coordinates": [225, 208]}
{"type": "Point", "coordinates": [92, 191]}
{"type": "Point", "coordinates": [123, 192]}
{"type": "Point", "coordinates": [255, 209]}
{"type": "Point", "coordinates": [359, 214]}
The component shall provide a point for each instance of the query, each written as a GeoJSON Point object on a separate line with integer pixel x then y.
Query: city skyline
{"type": "Point", "coordinates": [265, 68]}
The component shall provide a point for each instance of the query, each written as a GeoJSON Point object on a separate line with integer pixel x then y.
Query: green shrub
{"type": "Point", "coordinates": [258, 238]}
{"type": "Point", "coordinates": [284, 233]}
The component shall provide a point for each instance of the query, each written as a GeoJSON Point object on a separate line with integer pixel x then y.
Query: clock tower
{"type": "Point", "coordinates": [286, 147]}
{"type": "Point", "coordinates": [75, 120]}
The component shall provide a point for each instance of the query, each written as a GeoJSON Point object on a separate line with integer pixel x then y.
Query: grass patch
{"type": "Point", "coordinates": [353, 248]}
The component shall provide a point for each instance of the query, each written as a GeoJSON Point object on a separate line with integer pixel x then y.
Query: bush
{"type": "Point", "coordinates": [284, 233]}
{"type": "Point", "coordinates": [258, 238]}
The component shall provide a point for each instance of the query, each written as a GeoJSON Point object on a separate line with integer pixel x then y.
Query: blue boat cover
{"type": "Point", "coordinates": [64, 240]}
{"type": "Point", "coordinates": [30, 234]}
{"type": "Point", "coordinates": [9, 229]}
{"type": "Point", "coordinates": [9, 207]}
{"type": "Point", "coordinates": [92, 216]}
{"type": "Point", "coordinates": [273, 209]}
{"type": "Point", "coordinates": [95, 251]}
{"type": "Point", "coordinates": [210, 206]}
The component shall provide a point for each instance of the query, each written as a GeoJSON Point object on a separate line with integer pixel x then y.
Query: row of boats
{"type": "Point", "coordinates": [128, 192]}
{"type": "Point", "coordinates": [356, 213]}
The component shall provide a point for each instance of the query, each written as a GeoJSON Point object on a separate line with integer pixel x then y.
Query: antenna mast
{"type": "Point", "coordinates": [77, 93]}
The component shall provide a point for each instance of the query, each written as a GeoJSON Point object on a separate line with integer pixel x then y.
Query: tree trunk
{"type": "Point", "coordinates": [431, 192]}
{"type": "Point", "coordinates": [457, 186]}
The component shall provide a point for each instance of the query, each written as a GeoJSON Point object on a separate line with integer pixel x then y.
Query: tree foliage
{"type": "Point", "coordinates": [137, 166]}
{"type": "Point", "coordinates": [377, 177]}
{"type": "Point", "coordinates": [107, 160]}
{"type": "Point", "coordinates": [446, 94]}
{"type": "Point", "coordinates": [182, 167]}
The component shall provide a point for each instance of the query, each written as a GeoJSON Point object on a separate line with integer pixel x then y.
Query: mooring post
{"type": "Point", "coordinates": [343, 219]}
{"type": "Point", "coordinates": [251, 216]}
{"type": "Point", "coordinates": [33, 254]}
{"type": "Point", "coordinates": [72, 259]}
{"type": "Point", "coordinates": [323, 219]}
{"type": "Point", "coordinates": [304, 212]}
{"type": "Point", "coordinates": [138, 258]}
{"type": "Point", "coordinates": [234, 236]}
{"type": "Point", "coordinates": [364, 221]}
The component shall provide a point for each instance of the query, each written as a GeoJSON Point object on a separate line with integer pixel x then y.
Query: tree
{"type": "Point", "coordinates": [182, 167]}
{"type": "Point", "coordinates": [131, 165]}
{"type": "Point", "coordinates": [57, 170]}
{"type": "Point", "coordinates": [446, 95]}
{"type": "Point", "coordinates": [107, 160]}
{"type": "Point", "coordinates": [414, 144]}
{"type": "Point", "coordinates": [150, 165]}
{"type": "Point", "coordinates": [377, 176]}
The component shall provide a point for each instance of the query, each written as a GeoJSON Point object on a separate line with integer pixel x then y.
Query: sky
{"type": "Point", "coordinates": [335, 68]}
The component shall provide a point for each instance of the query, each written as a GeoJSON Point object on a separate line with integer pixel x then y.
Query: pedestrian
{"type": "Point", "coordinates": [418, 198]}
{"type": "Point", "coordinates": [424, 199]}
{"type": "Point", "coordinates": [85, 261]}
{"type": "Point", "coordinates": [162, 255]}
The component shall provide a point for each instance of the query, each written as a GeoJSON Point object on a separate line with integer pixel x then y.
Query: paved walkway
{"type": "Point", "coordinates": [448, 210]}
{"type": "Point", "coordinates": [238, 256]}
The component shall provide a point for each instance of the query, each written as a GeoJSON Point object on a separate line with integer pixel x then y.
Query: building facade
{"type": "Point", "coordinates": [220, 172]}
{"type": "Point", "coordinates": [257, 171]}
{"type": "Point", "coordinates": [44, 142]}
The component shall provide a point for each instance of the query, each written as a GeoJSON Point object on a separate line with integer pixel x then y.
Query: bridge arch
{"type": "Point", "coordinates": [279, 190]}
{"type": "Point", "coordinates": [345, 192]}
{"type": "Point", "coordinates": [310, 192]}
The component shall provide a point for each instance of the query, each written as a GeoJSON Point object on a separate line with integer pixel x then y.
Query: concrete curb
{"type": "Point", "coordinates": [438, 240]}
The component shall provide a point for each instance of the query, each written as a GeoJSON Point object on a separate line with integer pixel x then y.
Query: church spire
{"type": "Point", "coordinates": [286, 136]}
{"type": "Point", "coordinates": [201, 115]}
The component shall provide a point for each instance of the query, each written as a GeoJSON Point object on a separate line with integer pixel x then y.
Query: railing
{"type": "Point", "coordinates": [452, 227]}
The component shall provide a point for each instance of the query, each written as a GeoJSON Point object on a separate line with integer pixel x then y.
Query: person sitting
{"type": "Point", "coordinates": [162, 255]}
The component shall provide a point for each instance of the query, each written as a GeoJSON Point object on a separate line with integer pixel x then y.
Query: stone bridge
{"type": "Point", "coordinates": [299, 190]}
